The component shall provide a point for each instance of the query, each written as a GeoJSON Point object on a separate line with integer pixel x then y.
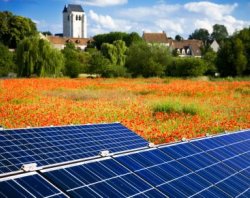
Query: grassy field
{"type": "Point", "coordinates": [160, 110]}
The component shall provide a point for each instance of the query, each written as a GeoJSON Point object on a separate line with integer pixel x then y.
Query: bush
{"type": "Point", "coordinates": [147, 60]}
{"type": "Point", "coordinates": [185, 67]}
{"type": "Point", "coordinates": [6, 61]}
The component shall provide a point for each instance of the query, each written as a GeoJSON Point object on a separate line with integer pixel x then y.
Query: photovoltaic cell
{"type": "Point", "coordinates": [46, 146]}
{"type": "Point", "coordinates": [29, 186]}
{"type": "Point", "coordinates": [106, 178]}
{"type": "Point", "coordinates": [210, 167]}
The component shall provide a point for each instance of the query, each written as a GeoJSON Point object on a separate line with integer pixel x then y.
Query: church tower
{"type": "Point", "coordinates": [74, 22]}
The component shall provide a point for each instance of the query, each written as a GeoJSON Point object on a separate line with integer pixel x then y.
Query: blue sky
{"type": "Point", "coordinates": [172, 16]}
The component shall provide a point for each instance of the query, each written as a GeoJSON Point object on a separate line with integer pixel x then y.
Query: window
{"type": "Point", "coordinates": [68, 17]}
{"type": "Point", "coordinates": [76, 17]}
{"type": "Point", "coordinates": [80, 18]}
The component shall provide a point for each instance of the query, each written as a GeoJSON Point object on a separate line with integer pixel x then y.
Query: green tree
{"type": "Point", "coordinates": [178, 38]}
{"type": "Point", "coordinates": [99, 64]}
{"type": "Point", "coordinates": [219, 33]}
{"type": "Point", "coordinates": [110, 52]}
{"type": "Point", "coordinates": [36, 56]}
{"type": "Point", "coordinates": [99, 39]}
{"type": "Point", "coordinates": [200, 34]}
{"type": "Point", "coordinates": [6, 61]}
{"type": "Point", "coordinates": [210, 58]}
{"type": "Point", "coordinates": [147, 60]}
{"type": "Point", "coordinates": [231, 60]}
{"type": "Point", "coordinates": [244, 36]}
{"type": "Point", "coordinates": [120, 49]}
{"type": "Point", "coordinates": [13, 29]}
{"type": "Point", "coordinates": [133, 37]}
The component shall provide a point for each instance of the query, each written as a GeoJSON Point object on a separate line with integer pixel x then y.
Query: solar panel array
{"type": "Point", "coordinates": [216, 166]}
{"type": "Point", "coordinates": [51, 145]}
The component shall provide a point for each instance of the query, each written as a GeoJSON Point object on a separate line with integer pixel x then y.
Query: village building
{"type": "Point", "coordinates": [159, 38]}
{"type": "Point", "coordinates": [215, 46]}
{"type": "Point", "coordinates": [74, 29]}
{"type": "Point", "coordinates": [60, 42]}
{"type": "Point", "coordinates": [184, 48]}
{"type": "Point", "coordinates": [74, 22]}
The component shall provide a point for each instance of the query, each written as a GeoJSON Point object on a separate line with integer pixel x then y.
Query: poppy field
{"type": "Point", "coordinates": [160, 110]}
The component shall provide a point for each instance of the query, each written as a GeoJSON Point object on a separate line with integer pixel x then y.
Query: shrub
{"type": "Point", "coordinates": [147, 60]}
{"type": "Point", "coordinates": [6, 61]}
{"type": "Point", "coordinates": [186, 67]}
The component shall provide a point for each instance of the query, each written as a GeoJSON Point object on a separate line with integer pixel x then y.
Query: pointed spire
{"type": "Point", "coordinates": [65, 9]}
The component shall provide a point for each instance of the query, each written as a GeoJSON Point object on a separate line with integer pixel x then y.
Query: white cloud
{"type": "Point", "coordinates": [211, 10]}
{"type": "Point", "coordinates": [148, 13]}
{"type": "Point", "coordinates": [172, 26]}
{"type": "Point", "coordinates": [171, 18]}
{"type": "Point", "coordinates": [102, 20]}
{"type": "Point", "coordinates": [105, 23]}
{"type": "Point", "coordinates": [102, 3]}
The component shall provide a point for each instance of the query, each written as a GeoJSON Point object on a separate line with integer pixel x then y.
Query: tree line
{"type": "Point", "coordinates": [117, 54]}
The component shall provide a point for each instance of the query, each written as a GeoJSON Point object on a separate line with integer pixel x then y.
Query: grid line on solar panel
{"type": "Point", "coordinates": [28, 185]}
{"type": "Point", "coordinates": [99, 177]}
{"type": "Point", "coordinates": [46, 146]}
{"type": "Point", "coordinates": [236, 184]}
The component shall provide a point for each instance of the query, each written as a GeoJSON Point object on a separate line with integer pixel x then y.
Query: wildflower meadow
{"type": "Point", "coordinates": [160, 110]}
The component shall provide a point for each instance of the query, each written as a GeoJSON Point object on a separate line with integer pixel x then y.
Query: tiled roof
{"type": "Point", "coordinates": [73, 8]}
{"type": "Point", "coordinates": [155, 37]}
{"type": "Point", "coordinates": [193, 44]}
{"type": "Point", "coordinates": [64, 40]}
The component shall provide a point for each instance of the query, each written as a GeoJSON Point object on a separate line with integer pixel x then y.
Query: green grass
{"type": "Point", "coordinates": [177, 107]}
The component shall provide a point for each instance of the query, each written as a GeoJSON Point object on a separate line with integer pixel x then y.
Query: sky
{"type": "Point", "coordinates": [172, 16]}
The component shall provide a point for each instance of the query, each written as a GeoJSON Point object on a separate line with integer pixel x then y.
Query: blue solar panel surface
{"type": "Point", "coordinates": [29, 186]}
{"type": "Point", "coordinates": [210, 167]}
{"type": "Point", "coordinates": [106, 178]}
{"type": "Point", "coordinates": [46, 146]}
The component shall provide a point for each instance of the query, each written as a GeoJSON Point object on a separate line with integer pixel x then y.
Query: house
{"type": "Point", "coordinates": [184, 48]}
{"type": "Point", "coordinates": [215, 46]}
{"type": "Point", "coordinates": [159, 38]}
{"type": "Point", "coordinates": [60, 42]}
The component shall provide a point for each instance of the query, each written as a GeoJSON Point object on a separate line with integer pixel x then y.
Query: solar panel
{"type": "Point", "coordinates": [208, 167]}
{"type": "Point", "coordinates": [103, 178]}
{"type": "Point", "coordinates": [51, 145]}
{"type": "Point", "coordinates": [30, 185]}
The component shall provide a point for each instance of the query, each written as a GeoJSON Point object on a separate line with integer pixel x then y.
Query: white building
{"type": "Point", "coordinates": [215, 46]}
{"type": "Point", "coordinates": [74, 22]}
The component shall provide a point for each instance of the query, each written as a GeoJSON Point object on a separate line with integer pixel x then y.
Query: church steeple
{"type": "Point", "coordinates": [65, 9]}
{"type": "Point", "coordinates": [74, 21]}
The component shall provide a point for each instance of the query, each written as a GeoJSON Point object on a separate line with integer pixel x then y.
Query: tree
{"type": "Point", "coordinates": [6, 61]}
{"type": "Point", "coordinates": [114, 36]}
{"type": "Point", "coordinates": [99, 64]}
{"type": "Point", "coordinates": [210, 58]}
{"type": "Point", "coordinates": [178, 38]}
{"type": "Point", "coordinates": [219, 33]}
{"type": "Point", "coordinates": [47, 33]}
{"type": "Point", "coordinates": [147, 60]}
{"type": "Point", "coordinates": [200, 34]}
{"type": "Point", "coordinates": [231, 60]}
{"type": "Point", "coordinates": [76, 61]}
{"type": "Point", "coordinates": [110, 52]}
{"type": "Point", "coordinates": [13, 29]}
{"type": "Point", "coordinates": [244, 36]}
{"type": "Point", "coordinates": [36, 56]}
{"type": "Point", "coordinates": [133, 37]}
{"type": "Point", "coordinates": [120, 49]}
